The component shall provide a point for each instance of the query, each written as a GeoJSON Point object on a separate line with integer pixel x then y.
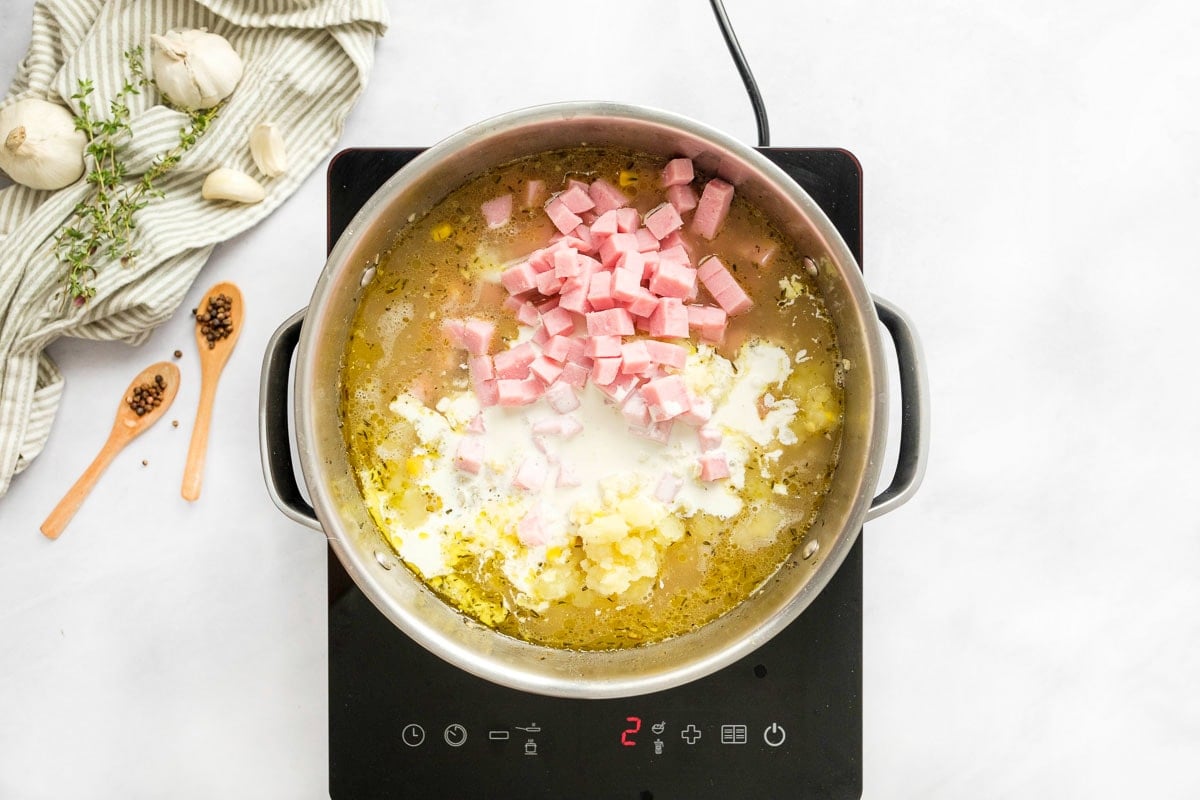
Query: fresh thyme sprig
{"type": "Point", "coordinates": [102, 224]}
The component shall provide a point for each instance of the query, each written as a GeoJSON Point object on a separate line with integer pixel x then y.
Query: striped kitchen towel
{"type": "Point", "coordinates": [306, 62]}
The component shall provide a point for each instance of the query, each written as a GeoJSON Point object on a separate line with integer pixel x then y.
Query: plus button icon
{"type": "Point", "coordinates": [690, 734]}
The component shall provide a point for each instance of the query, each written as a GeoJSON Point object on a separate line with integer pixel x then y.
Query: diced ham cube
{"type": "Point", "coordinates": [669, 319]}
{"type": "Point", "coordinates": [566, 263]}
{"type": "Point", "coordinates": [564, 426]}
{"type": "Point", "coordinates": [558, 322]}
{"type": "Point", "coordinates": [540, 337]}
{"type": "Point", "coordinates": [647, 241]}
{"type": "Point", "coordinates": [605, 224]}
{"type": "Point", "coordinates": [453, 330]}
{"type": "Point", "coordinates": [656, 431]}
{"type": "Point", "coordinates": [599, 294]}
{"type": "Point", "coordinates": [542, 259]}
{"type": "Point", "coordinates": [635, 411]}
{"type": "Point", "coordinates": [644, 303]}
{"type": "Point", "coordinates": [667, 354]}
{"type": "Point", "coordinates": [486, 392]}
{"type": "Point", "coordinates": [562, 217]}
{"type": "Point", "coordinates": [710, 438]}
{"type": "Point", "coordinates": [612, 322]}
{"type": "Point", "coordinates": [578, 351]}
{"type": "Point", "coordinates": [519, 278]}
{"type": "Point", "coordinates": [531, 530]}
{"type": "Point", "coordinates": [713, 466]}
{"type": "Point", "coordinates": [476, 424]}
{"type": "Point", "coordinates": [666, 397]}
{"type": "Point", "coordinates": [605, 370]}
{"type": "Point", "coordinates": [477, 336]}
{"type": "Point", "coordinates": [635, 358]}
{"type": "Point", "coordinates": [548, 283]}
{"type": "Point", "coordinates": [612, 248]}
{"type": "Point", "coordinates": [705, 316]}
{"type": "Point", "coordinates": [662, 220]}
{"type": "Point", "coordinates": [481, 367]}
{"type": "Point", "coordinates": [713, 207]}
{"type": "Point", "coordinates": [534, 190]}
{"type": "Point", "coordinates": [628, 220]}
{"type": "Point", "coordinates": [531, 475]}
{"type": "Point", "coordinates": [723, 286]}
{"type": "Point", "coordinates": [674, 240]}
{"type": "Point", "coordinates": [700, 412]}
{"type": "Point", "coordinates": [557, 348]}
{"type": "Point", "coordinates": [546, 369]}
{"type": "Point", "coordinates": [511, 392]}
{"type": "Point", "coordinates": [626, 285]}
{"type": "Point", "coordinates": [678, 171]}
{"type": "Point", "coordinates": [668, 488]}
{"type": "Point", "coordinates": [574, 299]}
{"type": "Point", "coordinates": [620, 388]}
{"type": "Point", "coordinates": [606, 196]}
{"type": "Point", "coordinates": [677, 253]}
{"type": "Point", "coordinates": [574, 375]}
{"type": "Point", "coordinates": [562, 398]}
{"type": "Point", "coordinates": [498, 211]}
{"type": "Point", "coordinates": [469, 455]}
{"type": "Point", "coordinates": [514, 362]}
{"type": "Point", "coordinates": [528, 314]}
{"type": "Point", "coordinates": [673, 280]}
{"type": "Point", "coordinates": [633, 262]}
{"type": "Point", "coordinates": [682, 197]}
{"type": "Point", "coordinates": [567, 476]}
{"type": "Point", "coordinates": [576, 199]}
{"type": "Point", "coordinates": [603, 346]}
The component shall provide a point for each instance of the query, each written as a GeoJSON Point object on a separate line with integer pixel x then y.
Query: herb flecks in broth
{"type": "Point", "coordinates": [584, 535]}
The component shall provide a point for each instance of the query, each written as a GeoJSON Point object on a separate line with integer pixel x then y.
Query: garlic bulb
{"type": "Point", "coordinates": [266, 147]}
{"type": "Point", "coordinates": [39, 146]}
{"type": "Point", "coordinates": [195, 68]}
{"type": "Point", "coordinates": [224, 183]}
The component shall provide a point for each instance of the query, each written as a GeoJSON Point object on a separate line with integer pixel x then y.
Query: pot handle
{"type": "Point", "coordinates": [914, 411]}
{"type": "Point", "coordinates": [274, 435]}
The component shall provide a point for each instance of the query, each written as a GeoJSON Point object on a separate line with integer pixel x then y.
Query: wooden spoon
{"type": "Point", "coordinates": [213, 355]}
{"type": "Point", "coordinates": [126, 428]}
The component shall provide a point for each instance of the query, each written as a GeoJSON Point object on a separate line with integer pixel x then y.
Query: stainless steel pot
{"type": "Point", "coordinates": [318, 337]}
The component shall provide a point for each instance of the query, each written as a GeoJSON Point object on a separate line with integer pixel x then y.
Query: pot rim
{"type": "Point", "coordinates": [523, 674]}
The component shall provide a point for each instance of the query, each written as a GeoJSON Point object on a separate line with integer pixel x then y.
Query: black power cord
{"type": "Point", "coordinates": [735, 50]}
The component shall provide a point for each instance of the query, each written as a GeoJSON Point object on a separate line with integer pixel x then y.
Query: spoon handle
{"type": "Point", "coordinates": [193, 471]}
{"type": "Point", "coordinates": [73, 499]}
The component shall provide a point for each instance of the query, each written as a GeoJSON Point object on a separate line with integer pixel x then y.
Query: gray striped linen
{"type": "Point", "coordinates": [306, 62]}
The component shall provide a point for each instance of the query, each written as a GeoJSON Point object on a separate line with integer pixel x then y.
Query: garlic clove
{"type": "Point", "coordinates": [39, 145]}
{"type": "Point", "coordinates": [224, 183]}
{"type": "Point", "coordinates": [194, 68]}
{"type": "Point", "coordinates": [268, 150]}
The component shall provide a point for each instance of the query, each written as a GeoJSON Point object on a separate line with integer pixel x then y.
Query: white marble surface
{"type": "Point", "coordinates": [1032, 618]}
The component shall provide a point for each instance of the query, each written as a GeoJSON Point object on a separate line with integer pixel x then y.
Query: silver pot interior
{"type": "Point", "coordinates": [404, 598]}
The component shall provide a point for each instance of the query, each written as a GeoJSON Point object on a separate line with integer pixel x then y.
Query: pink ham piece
{"type": "Point", "coordinates": [603, 346]}
{"type": "Point", "coordinates": [723, 287]}
{"type": "Point", "coordinates": [709, 437]}
{"type": "Point", "coordinates": [481, 367]}
{"type": "Point", "coordinates": [673, 280]}
{"type": "Point", "coordinates": [626, 286]}
{"type": "Point", "coordinates": [563, 218]}
{"type": "Point", "coordinates": [678, 171]}
{"type": "Point", "coordinates": [667, 354]}
{"type": "Point", "coordinates": [599, 295]}
{"type": "Point", "coordinates": [635, 411]}
{"type": "Point", "coordinates": [453, 330]}
{"type": "Point", "coordinates": [635, 358]}
{"type": "Point", "coordinates": [666, 397]}
{"type": "Point", "coordinates": [562, 398]}
{"type": "Point", "coordinates": [531, 530]}
{"type": "Point", "coordinates": [548, 283]}
{"type": "Point", "coordinates": [669, 319]}
{"type": "Point", "coordinates": [628, 220]}
{"type": "Point", "coordinates": [567, 476]}
{"type": "Point", "coordinates": [712, 209]}
{"type": "Point", "coordinates": [531, 475]}
{"type": "Point", "coordinates": [565, 426]}
{"type": "Point", "coordinates": [659, 432]}
{"type": "Point", "coordinates": [534, 190]}
{"type": "Point", "coordinates": [476, 425]}
{"type": "Point", "coordinates": [486, 392]}
{"type": "Point", "coordinates": [605, 224]}
{"type": "Point", "coordinates": [646, 240]}
{"type": "Point", "coordinates": [615, 246]}
{"type": "Point", "coordinates": [511, 392]}
{"type": "Point", "coordinates": [668, 488]}
{"type": "Point", "coordinates": [576, 199]}
{"type": "Point", "coordinates": [498, 211]}
{"type": "Point", "coordinates": [546, 369]}
{"type": "Point", "coordinates": [699, 412]}
{"type": "Point", "coordinates": [566, 263]}
{"type": "Point", "coordinates": [620, 388]}
{"type": "Point", "coordinates": [574, 375]}
{"type": "Point", "coordinates": [605, 370]}
{"type": "Point", "coordinates": [613, 322]}
{"type": "Point", "coordinates": [644, 303]}
{"type": "Point", "coordinates": [519, 278]}
{"type": "Point", "coordinates": [662, 220]}
{"type": "Point", "coordinates": [469, 456]}
{"type": "Point", "coordinates": [713, 466]}
{"type": "Point", "coordinates": [557, 348]}
{"type": "Point", "coordinates": [514, 362]}
{"type": "Point", "coordinates": [558, 322]}
{"type": "Point", "coordinates": [606, 196]}
{"type": "Point", "coordinates": [683, 198]}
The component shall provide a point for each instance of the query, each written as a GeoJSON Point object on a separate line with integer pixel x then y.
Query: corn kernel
{"type": "Point", "coordinates": [442, 232]}
{"type": "Point", "coordinates": [627, 178]}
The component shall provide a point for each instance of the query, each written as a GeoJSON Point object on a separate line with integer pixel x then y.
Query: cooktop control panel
{"type": "Point", "coordinates": [784, 722]}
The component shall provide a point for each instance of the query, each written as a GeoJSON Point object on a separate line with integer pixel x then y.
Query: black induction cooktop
{"type": "Point", "coordinates": [783, 722]}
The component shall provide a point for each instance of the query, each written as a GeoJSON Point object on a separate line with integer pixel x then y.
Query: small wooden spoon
{"type": "Point", "coordinates": [213, 355]}
{"type": "Point", "coordinates": [126, 428]}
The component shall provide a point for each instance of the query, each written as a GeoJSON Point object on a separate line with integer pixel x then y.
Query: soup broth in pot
{"type": "Point", "coordinates": [557, 464]}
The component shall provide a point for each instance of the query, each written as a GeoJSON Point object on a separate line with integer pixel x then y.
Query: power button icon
{"type": "Point", "coordinates": [774, 735]}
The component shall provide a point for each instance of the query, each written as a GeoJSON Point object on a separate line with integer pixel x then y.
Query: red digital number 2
{"type": "Point", "coordinates": [627, 734]}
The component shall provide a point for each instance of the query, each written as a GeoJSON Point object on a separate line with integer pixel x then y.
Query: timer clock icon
{"type": "Point", "coordinates": [412, 735]}
{"type": "Point", "coordinates": [455, 735]}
